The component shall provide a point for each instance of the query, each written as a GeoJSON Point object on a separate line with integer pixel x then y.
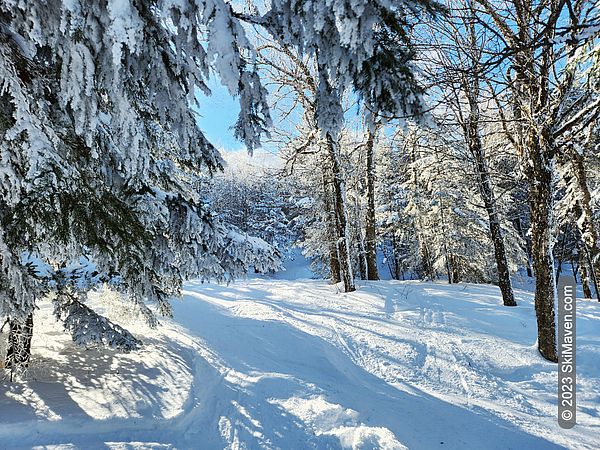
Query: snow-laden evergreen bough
{"type": "Point", "coordinates": [364, 44]}
{"type": "Point", "coordinates": [100, 156]}
{"type": "Point", "coordinates": [359, 48]}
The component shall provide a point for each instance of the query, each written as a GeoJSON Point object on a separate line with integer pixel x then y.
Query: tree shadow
{"type": "Point", "coordinates": [284, 362]}
{"type": "Point", "coordinates": [241, 373]}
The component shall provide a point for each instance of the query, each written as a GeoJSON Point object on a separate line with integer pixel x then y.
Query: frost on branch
{"type": "Point", "coordinates": [362, 44]}
{"type": "Point", "coordinates": [100, 153]}
{"type": "Point", "coordinates": [90, 329]}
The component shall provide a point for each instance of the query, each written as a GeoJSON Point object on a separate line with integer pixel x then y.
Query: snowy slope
{"type": "Point", "coordinates": [297, 365]}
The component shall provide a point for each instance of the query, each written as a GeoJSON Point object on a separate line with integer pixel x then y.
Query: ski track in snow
{"type": "Point", "coordinates": [296, 365]}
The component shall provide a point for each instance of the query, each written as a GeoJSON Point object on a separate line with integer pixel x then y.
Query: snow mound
{"type": "Point", "coordinates": [326, 418]}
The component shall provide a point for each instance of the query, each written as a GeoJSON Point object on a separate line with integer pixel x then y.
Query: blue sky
{"type": "Point", "coordinates": [218, 114]}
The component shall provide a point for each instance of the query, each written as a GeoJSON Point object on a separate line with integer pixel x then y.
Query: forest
{"type": "Point", "coordinates": [408, 154]}
{"type": "Point", "coordinates": [490, 169]}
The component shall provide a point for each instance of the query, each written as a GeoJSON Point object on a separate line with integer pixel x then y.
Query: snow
{"type": "Point", "coordinates": [294, 364]}
{"type": "Point", "coordinates": [295, 266]}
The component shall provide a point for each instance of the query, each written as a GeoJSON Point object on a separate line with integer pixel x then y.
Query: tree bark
{"type": "Point", "coordinates": [573, 269]}
{"type": "Point", "coordinates": [471, 128]}
{"type": "Point", "coordinates": [334, 263]}
{"type": "Point", "coordinates": [583, 273]}
{"type": "Point", "coordinates": [561, 256]}
{"type": "Point", "coordinates": [450, 269]}
{"type": "Point", "coordinates": [594, 277]}
{"type": "Point", "coordinates": [427, 269]}
{"type": "Point", "coordinates": [358, 239]}
{"type": "Point", "coordinates": [396, 263]}
{"type": "Point", "coordinates": [519, 226]}
{"type": "Point", "coordinates": [484, 182]}
{"type": "Point", "coordinates": [362, 260]}
{"type": "Point", "coordinates": [541, 206]}
{"type": "Point", "coordinates": [538, 158]}
{"type": "Point", "coordinates": [538, 96]}
{"type": "Point", "coordinates": [18, 352]}
{"type": "Point", "coordinates": [588, 230]}
{"type": "Point", "coordinates": [370, 231]}
{"type": "Point", "coordinates": [342, 232]}
{"type": "Point", "coordinates": [456, 272]}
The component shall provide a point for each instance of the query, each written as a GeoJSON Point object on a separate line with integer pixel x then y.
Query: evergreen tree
{"type": "Point", "coordinates": [429, 221]}
{"type": "Point", "coordinates": [101, 156]}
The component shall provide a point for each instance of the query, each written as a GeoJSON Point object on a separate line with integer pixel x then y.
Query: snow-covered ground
{"type": "Point", "coordinates": [294, 364]}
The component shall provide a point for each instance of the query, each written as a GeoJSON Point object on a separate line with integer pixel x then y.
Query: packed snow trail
{"type": "Point", "coordinates": [297, 365]}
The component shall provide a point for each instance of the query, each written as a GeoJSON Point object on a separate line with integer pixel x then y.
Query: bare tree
{"type": "Point", "coordinates": [531, 55]}
{"type": "Point", "coordinates": [370, 224]}
{"type": "Point", "coordinates": [458, 71]}
{"type": "Point", "coordinates": [296, 81]}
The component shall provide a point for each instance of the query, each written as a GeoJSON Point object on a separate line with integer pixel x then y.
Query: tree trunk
{"type": "Point", "coordinates": [358, 237]}
{"type": "Point", "coordinates": [447, 255]}
{"type": "Point", "coordinates": [519, 226]}
{"type": "Point", "coordinates": [504, 282]}
{"type": "Point", "coordinates": [370, 232]}
{"type": "Point", "coordinates": [585, 279]}
{"type": "Point", "coordinates": [456, 273]}
{"type": "Point", "coordinates": [588, 230]}
{"type": "Point", "coordinates": [18, 351]}
{"type": "Point", "coordinates": [537, 97]}
{"type": "Point", "coordinates": [593, 274]}
{"type": "Point", "coordinates": [538, 160]}
{"type": "Point", "coordinates": [334, 264]}
{"type": "Point", "coordinates": [484, 181]}
{"type": "Point", "coordinates": [342, 232]}
{"type": "Point", "coordinates": [362, 260]}
{"type": "Point", "coordinates": [573, 269]}
{"type": "Point", "coordinates": [427, 270]}
{"type": "Point", "coordinates": [393, 260]}
{"type": "Point", "coordinates": [561, 256]}
{"type": "Point", "coordinates": [541, 204]}
{"type": "Point", "coordinates": [399, 274]}
{"type": "Point", "coordinates": [449, 269]}
{"type": "Point", "coordinates": [495, 229]}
